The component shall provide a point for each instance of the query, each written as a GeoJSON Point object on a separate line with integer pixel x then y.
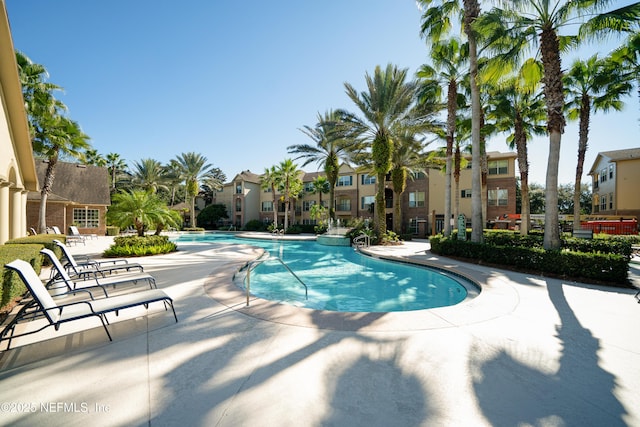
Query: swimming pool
{"type": "Point", "coordinates": [340, 279]}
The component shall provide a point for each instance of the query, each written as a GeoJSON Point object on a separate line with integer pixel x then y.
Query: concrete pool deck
{"type": "Point", "coordinates": [529, 350]}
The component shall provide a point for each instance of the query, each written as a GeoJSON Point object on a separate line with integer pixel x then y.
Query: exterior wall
{"type": "Point", "coordinates": [17, 167]}
{"type": "Point", "coordinates": [60, 214]}
{"type": "Point", "coordinates": [616, 194]}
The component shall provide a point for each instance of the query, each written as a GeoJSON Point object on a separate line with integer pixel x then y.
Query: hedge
{"type": "Point", "coordinates": [12, 285]}
{"type": "Point", "coordinates": [128, 246]}
{"type": "Point", "coordinates": [606, 264]}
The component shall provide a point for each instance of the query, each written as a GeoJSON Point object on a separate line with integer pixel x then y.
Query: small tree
{"type": "Point", "coordinates": [142, 210]}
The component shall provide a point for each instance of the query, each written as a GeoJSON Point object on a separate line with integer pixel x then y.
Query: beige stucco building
{"type": "Point", "coordinates": [17, 166]}
{"type": "Point", "coordinates": [615, 178]}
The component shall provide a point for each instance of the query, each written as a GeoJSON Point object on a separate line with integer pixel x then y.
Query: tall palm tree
{"type": "Point", "coordinates": [269, 182]}
{"type": "Point", "coordinates": [517, 108]}
{"type": "Point", "coordinates": [116, 165]}
{"type": "Point", "coordinates": [61, 136]}
{"type": "Point", "coordinates": [522, 24]}
{"type": "Point", "coordinates": [389, 109]}
{"type": "Point", "coordinates": [408, 159]}
{"type": "Point", "coordinates": [592, 84]}
{"type": "Point", "coordinates": [436, 21]}
{"type": "Point", "coordinates": [289, 184]}
{"type": "Point", "coordinates": [149, 175]}
{"type": "Point", "coordinates": [92, 157]}
{"type": "Point", "coordinates": [194, 168]}
{"type": "Point", "coordinates": [52, 133]}
{"type": "Point", "coordinates": [320, 186]}
{"type": "Point", "coordinates": [450, 67]}
{"type": "Point", "coordinates": [332, 146]}
{"type": "Point", "coordinates": [628, 56]}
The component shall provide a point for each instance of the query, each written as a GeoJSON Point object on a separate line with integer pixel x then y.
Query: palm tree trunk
{"type": "Point", "coordinates": [471, 13]}
{"type": "Point", "coordinates": [523, 166]}
{"type": "Point", "coordinates": [49, 177]}
{"type": "Point", "coordinates": [554, 98]}
{"type": "Point", "coordinates": [585, 112]}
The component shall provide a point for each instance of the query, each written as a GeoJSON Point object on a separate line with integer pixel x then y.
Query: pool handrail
{"type": "Point", "coordinates": [260, 261]}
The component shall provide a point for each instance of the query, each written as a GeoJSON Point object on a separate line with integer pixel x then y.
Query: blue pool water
{"type": "Point", "coordinates": [340, 279]}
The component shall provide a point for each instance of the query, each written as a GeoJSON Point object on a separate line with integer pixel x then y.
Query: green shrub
{"type": "Point", "coordinates": [255, 225]}
{"type": "Point", "coordinates": [604, 265]}
{"type": "Point", "coordinates": [130, 246]}
{"type": "Point", "coordinates": [12, 286]}
{"type": "Point", "coordinates": [45, 240]}
{"type": "Point", "coordinates": [113, 230]}
{"type": "Point", "coordinates": [193, 229]}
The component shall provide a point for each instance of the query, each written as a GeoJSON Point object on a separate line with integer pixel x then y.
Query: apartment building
{"type": "Point", "coordinates": [615, 176]}
{"type": "Point", "coordinates": [422, 201]}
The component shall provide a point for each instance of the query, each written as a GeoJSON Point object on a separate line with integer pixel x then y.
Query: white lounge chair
{"type": "Point", "coordinates": [70, 239]}
{"type": "Point", "coordinates": [61, 279]}
{"type": "Point", "coordinates": [73, 231]}
{"type": "Point", "coordinates": [56, 314]}
{"type": "Point", "coordinates": [88, 266]}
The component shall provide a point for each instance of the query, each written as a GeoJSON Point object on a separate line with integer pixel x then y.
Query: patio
{"type": "Point", "coordinates": [529, 350]}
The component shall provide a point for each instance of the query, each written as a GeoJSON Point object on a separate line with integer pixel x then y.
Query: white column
{"type": "Point", "coordinates": [4, 212]}
{"type": "Point", "coordinates": [15, 229]}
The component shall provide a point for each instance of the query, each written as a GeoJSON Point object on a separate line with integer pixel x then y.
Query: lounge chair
{"type": "Point", "coordinates": [70, 239]}
{"type": "Point", "coordinates": [56, 314]}
{"type": "Point", "coordinates": [61, 279]}
{"type": "Point", "coordinates": [73, 231]}
{"type": "Point", "coordinates": [87, 266]}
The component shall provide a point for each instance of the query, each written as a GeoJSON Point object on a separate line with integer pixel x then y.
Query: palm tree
{"type": "Point", "coordinates": [194, 168]}
{"type": "Point", "coordinates": [92, 157]}
{"type": "Point", "coordinates": [450, 67]}
{"type": "Point", "coordinates": [149, 175]}
{"type": "Point", "coordinates": [289, 184]}
{"type": "Point", "coordinates": [52, 134]}
{"type": "Point", "coordinates": [269, 182]}
{"type": "Point", "coordinates": [518, 109]}
{"type": "Point", "coordinates": [525, 23]}
{"type": "Point", "coordinates": [116, 165]}
{"type": "Point", "coordinates": [628, 56]}
{"type": "Point", "coordinates": [389, 109]}
{"type": "Point", "coordinates": [407, 160]}
{"type": "Point", "coordinates": [331, 147]}
{"type": "Point", "coordinates": [142, 210]}
{"type": "Point", "coordinates": [213, 181]}
{"type": "Point", "coordinates": [436, 22]}
{"type": "Point", "coordinates": [320, 186]}
{"type": "Point", "coordinates": [594, 84]}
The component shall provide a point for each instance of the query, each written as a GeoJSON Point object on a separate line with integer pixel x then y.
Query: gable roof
{"type": "Point", "coordinates": [80, 184]}
{"type": "Point", "coordinates": [615, 156]}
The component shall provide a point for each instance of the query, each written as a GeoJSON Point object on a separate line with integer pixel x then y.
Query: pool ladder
{"type": "Point", "coordinates": [252, 264]}
{"type": "Point", "coordinates": [362, 240]}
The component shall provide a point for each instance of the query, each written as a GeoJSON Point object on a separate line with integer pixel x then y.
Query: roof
{"type": "Point", "coordinates": [248, 176]}
{"type": "Point", "coordinates": [13, 104]}
{"type": "Point", "coordinates": [80, 184]}
{"type": "Point", "coordinates": [615, 156]}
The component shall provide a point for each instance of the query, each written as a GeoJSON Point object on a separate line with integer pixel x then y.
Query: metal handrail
{"type": "Point", "coordinates": [362, 240]}
{"type": "Point", "coordinates": [260, 261]}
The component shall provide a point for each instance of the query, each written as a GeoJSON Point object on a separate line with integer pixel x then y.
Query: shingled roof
{"type": "Point", "coordinates": [80, 184]}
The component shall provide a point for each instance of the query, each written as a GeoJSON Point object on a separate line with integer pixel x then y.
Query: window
{"type": "Point", "coordinates": [367, 179]}
{"type": "Point", "coordinates": [238, 205]}
{"type": "Point", "coordinates": [267, 206]}
{"type": "Point", "coordinates": [308, 187]}
{"type": "Point", "coordinates": [267, 190]}
{"type": "Point", "coordinates": [603, 202]}
{"type": "Point", "coordinates": [498, 197]}
{"type": "Point", "coordinates": [603, 175]}
{"type": "Point", "coordinates": [343, 205]}
{"type": "Point", "coordinates": [611, 201]}
{"type": "Point", "coordinates": [367, 201]}
{"type": "Point", "coordinates": [239, 188]}
{"type": "Point", "coordinates": [498, 167]}
{"type": "Point", "coordinates": [465, 194]}
{"type": "Point", "coordinates": [596, 179]}
{"type": "Point", "coordinates": [344, 181]}
{"type": "Point", "coordinates": [306, 205]}
{"type": "Point", "coordinates": [416, 199]}
{"type": "Point", "coordinates": [86, 218]}
{"type": "Point", "coordinates": [610, 171]}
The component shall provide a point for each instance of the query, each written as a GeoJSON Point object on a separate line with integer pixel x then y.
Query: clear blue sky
{"type": "Point", "coordinates": [235, 80]}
